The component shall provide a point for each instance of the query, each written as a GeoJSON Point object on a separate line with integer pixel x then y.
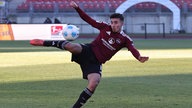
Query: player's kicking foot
{"type": "Point", "coordinates": [37, 42]}
{"type": "Point", "coordinates": [49, 43]}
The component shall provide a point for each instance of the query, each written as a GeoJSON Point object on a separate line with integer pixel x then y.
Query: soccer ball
{"type": "Point", "coordinates": [71, 32]}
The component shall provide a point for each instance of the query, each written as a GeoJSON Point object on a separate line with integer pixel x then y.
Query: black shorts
{"type": "Point", "coordinates": [87, 61]}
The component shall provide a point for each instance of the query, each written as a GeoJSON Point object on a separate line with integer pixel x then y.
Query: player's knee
{"type": "Point", "coordinates": [92, 87]}
{"type": "Point", "coordinates": [93, 84]}
{"type": "Point", "coordinates": [73, 48]}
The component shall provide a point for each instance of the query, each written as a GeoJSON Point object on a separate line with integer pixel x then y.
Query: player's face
{"type": "Point", "coordinates": [116, 24]}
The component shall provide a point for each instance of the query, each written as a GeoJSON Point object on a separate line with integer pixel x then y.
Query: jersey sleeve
{"type": "Point", "coordinates": [130, 46]}
{"type": "Point", "coordinates": [89, 20]}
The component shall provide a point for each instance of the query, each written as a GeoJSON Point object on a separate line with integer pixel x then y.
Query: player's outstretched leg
{"type": "Point", "coordinates": [93, 81]}
{"type": "Point", "coordinates": [61, 44]}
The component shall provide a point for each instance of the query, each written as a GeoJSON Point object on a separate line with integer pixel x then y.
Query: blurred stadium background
{"type": "Point", "coordinates": [150, 16]}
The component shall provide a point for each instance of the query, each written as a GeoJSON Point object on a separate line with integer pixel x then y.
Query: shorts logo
{"type": "Point", "coordinates": [111, 41]}
{"type": "Point", "coordinates": [100, 68]}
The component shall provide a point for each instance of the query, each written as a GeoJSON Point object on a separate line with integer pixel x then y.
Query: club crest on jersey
{"type": "Point", "coordinates": [111, 41]}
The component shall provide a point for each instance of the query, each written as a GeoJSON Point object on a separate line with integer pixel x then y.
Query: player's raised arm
{"type": "Point", "coordinates": [87, 18]}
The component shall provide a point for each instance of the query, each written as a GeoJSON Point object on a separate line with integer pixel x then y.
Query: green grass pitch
{"type": "Point", "coordinates": [36, 77]}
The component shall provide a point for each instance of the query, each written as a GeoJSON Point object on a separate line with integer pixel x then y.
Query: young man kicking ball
{"type": "Point", "coordinates": [91, 56]}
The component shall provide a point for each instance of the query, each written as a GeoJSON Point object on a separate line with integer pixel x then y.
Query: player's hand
{"type": "Point", "coordinates": [73, 4]}
{"type": "Point", "coordinates": [143, 59]}
{"type": "Point", "coordinates": [37, 42]}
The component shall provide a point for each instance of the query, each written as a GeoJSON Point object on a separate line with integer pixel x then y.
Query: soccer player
{"type": "Point", "coordinates": [91, 56]}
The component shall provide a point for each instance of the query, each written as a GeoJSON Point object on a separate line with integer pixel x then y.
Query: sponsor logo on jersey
{"type": "Point", "coordinates": [107, 44]}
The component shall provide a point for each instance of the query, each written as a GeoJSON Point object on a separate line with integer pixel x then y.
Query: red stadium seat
{"type": "Point", "coordinates": [36, 7]}
{"type": "Point", "coordinates": [97, 4]}
{"type": "Point", "coordinates": [50, 7]}
{"type": "Point", "coordinates": [190, 7]}
{"type": "Point", "coordinates": [42, 7]}
{"type": "Point", "coordinates": [24, 7]}
{"type": "Point", "coordinates": [61, 7]}
{"type": "Point", "coordinates": [139, 6]}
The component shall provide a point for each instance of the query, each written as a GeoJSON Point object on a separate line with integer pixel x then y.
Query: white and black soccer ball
{"type": "Point", "coordinates": [71, 32]}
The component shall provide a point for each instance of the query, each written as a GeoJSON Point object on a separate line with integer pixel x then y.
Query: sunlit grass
{"type": "Point", "coordinates": [48, 79]}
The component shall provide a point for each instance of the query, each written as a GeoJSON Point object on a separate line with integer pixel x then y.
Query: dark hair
{"type": "Point", "coordinates": [117, 15]}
